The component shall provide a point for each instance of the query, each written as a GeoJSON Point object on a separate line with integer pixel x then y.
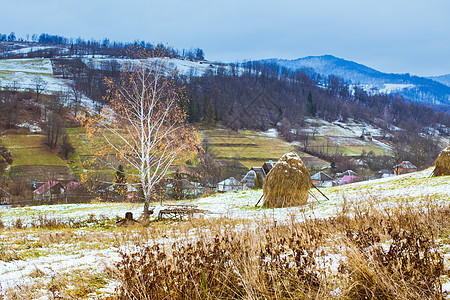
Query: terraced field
{"type": "Point", "coordinates": [30, 150]}
{"type": "Point", "coordinates": [252, 148]}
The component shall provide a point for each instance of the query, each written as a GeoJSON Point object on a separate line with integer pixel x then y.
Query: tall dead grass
{"type": "Point", "coordinates": [382, 256]}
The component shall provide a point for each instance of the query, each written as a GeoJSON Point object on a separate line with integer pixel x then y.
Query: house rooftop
{"type": "Point", "coordinates": [45, 187]}
{"type": "Point", "coordinates": [321, 176]}
{"type": "Point", "coordinates": [405, 165]}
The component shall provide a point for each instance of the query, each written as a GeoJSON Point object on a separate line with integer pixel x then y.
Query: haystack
{"type": "Point", "coordinates": [442, 163]}
{"type": "Point", "coordinates": [288, 183]}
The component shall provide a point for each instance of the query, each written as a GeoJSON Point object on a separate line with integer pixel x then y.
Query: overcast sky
{"type": "Point", "coordinates": [399, 36]}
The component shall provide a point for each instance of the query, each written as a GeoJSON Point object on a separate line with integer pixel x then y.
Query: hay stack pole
{"type": "Point", "coordinates": [442, 163]}
{"type": "Point", "coordinates": [288, 183]}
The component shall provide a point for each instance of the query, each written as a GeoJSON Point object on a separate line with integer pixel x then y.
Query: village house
{"type": "Point", "coordinates": [48, 191]}
{"type": "Point", "coordinates": [190, 189]}
{"type": "Point", "coordinates": [267, 166]}
{"type": "Point", "coordinates": [229, 185]}
{"type": "Point", "coordinates": [321, 179]}
{"type": "Point", "coordinates": [404, 167]}
{"type": "Point", "coordinates": [75, 192]}
{"type": "Point", "coordinates": [72, 185]}
{"type": "Point", "coordinates": [249, 178]}
{"type": "Point", "coordinates": [118, 191]}
{"type": "Point", "coordinates": [347, 177]}
{"type": "Point", "coordinates": [384, 173]}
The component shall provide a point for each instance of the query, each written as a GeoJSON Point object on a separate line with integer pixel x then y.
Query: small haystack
{"type": "Point", "coordinates": [288, 183]}
{"type": "Point", "coordinates": [442, 163]}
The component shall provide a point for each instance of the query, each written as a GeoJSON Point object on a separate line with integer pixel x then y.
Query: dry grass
{"type": "Point", "coordinates": [380, 256]}
{"type": "Point", "coordinates": [362, 253]}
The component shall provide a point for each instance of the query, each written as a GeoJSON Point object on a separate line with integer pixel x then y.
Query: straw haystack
{"type": "Point", "coordinates": [442, 163]}
{"type": "Point", "coordinates": [288, 183]}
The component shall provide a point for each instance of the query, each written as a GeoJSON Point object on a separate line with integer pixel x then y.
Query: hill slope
{"type": "Point", "coordinates": [444, 79]}
{"type": "Point", "coordinates": [417, 88]}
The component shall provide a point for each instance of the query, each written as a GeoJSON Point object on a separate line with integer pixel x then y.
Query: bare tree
{"type": "Point", "coordinates": [144, 124]}
{"type": "Point", "coordinates": [304, 140]}
{"type": "Point", "coordinates": [77, 95]}
{"type": "Point", "coordinates": [39, 86]}
{"type": "Point", "coordinates": [9, 106]}
{"type": "Point", "coordinates": [54, 128]}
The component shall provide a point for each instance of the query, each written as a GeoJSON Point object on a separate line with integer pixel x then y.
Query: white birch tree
{"type": "Point", "coordinates": [143, 124]}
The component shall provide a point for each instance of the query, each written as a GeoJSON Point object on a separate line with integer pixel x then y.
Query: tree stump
{"type": "Point", "coordinates": [128, 220]}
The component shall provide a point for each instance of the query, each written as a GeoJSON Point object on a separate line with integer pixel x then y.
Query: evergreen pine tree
{"type": "Point", "coordinates": [205, 109]}
{"type": "Point", "coordinates": [216, 117]}
{"type": "Point", "coordinates": [210, 117]}
{"type": "Point", "coordinates": [312, 108]}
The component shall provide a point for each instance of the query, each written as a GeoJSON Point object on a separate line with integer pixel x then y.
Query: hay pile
{"type": "Point", "coordinates": [442, 163]}
{"type": "Point", "coordinates": [288, 183]}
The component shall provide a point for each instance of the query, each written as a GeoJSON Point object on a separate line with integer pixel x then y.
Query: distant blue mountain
{"type": "Point", "coordinates": [420, 89]}
{"type": "Point", "coordinates": [444, 79]}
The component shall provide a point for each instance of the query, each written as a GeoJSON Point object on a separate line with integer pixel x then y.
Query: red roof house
{"type": "Point", "coordinates": [48, 189]}
{"type": "Point", "coordinates": [349, 179]}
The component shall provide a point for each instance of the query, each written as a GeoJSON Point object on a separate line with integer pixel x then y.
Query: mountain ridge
{"type": "Point", "coordinates": [416, 88]}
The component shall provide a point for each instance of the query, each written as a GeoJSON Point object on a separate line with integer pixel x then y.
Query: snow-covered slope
{"type": "Point", "coordinates": [184, 67]}
{"type": "Point", "coordinates": [444, 79]}
{"type": "Point", "coordinates": [414, 87]}
{"type": "Point", "coordinates": [22, 73]}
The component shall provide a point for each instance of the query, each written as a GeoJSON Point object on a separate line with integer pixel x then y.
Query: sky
{"type": "Point", "coordinates": [393, 36]}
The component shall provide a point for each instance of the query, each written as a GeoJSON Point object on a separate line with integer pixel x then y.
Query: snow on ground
{"type": "Point", "coordinates": [17, 271]}
{"type": "Point", "coordinates": [412, 190]}
{"type": "Point", "coordinates": [271, 133]}
{"type": "Point", "coordinates": [389, 88]}
{"type": "Point", "coordinates": [383, 88]}
{"type": "Point", "coordinates": [347, 133]}
{"type": "Point", "coordinates": [340, 128]}
{"type": "Point", "coordinates": [30, 65]}
{"type": "Point", "coordinates": [382, 193]}
{"type": "Point", "coordinates": [22, 73]}
{"type": "Point", "coordinates": [68, 211]}
{"type": "Point", "coordinates": [29, 50]}
{"type": "Point", "coordinates": [33, 128]}
{"type": "Point", "coordinates": [184, 67]}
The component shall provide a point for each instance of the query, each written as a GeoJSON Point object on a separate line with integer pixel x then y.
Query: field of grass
{"type": "Point", "coordinates": [86, 159]}
{"type": "Point", "coordinates": [73, 250]}
{"type": "Point", "coordinates": [31, 150]}
{"type": "Point", "coordinates": [249, 148]}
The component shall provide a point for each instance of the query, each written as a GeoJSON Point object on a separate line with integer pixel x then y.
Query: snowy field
{"type": "Point", "coordinates": [94, 247]}
{"type": "Point", "coordinates": [386, 193]}
{"type": "Point", "coordinates": [22, 74]}
{"type": "Point", "coordinates": [348, 133]}
{"type": "Point", "coordinates": [184, 67]}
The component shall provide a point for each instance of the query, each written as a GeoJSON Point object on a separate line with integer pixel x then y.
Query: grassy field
{"type": "Point", "coordinates": [346, 146]}
{"type": "Point", "coordinates": [31, 150]}
{"type": "Point", "coordinates": [73, 250]}
{"type": "Point", "coordinates": [250, 148]}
